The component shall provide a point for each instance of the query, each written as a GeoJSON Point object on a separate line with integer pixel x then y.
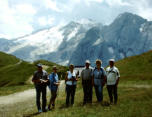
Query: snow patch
{"type": "Point", "coordinates": [46, 41]}
{"type": "Point", "coordinates": [111, 50]}
{"type": "Point", "coordinates": [122, 55]}
{"type": "Point", "coordinates": [64, 63]}
{"type": "Point", "coordinates": [98, 41]}
{"type": "Point", "coordinates": [72, 34]}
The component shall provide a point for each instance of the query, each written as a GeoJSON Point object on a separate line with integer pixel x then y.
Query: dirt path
{"type": "Point", "coordinates": [23, 96]}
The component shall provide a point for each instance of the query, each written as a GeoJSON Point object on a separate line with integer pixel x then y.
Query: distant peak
{"type": "Point", "coordinates": [128, 15]}
{"type": "Point", "coordinates": [128, 18]}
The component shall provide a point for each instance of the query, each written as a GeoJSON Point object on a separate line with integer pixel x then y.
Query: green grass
{"type": "Point", "coordinates": [6, 59]}
{"type": "Point", "coordinates": [15, 73]}
{"type": "Point", "coordinates": [132, 102]}
{"type": "Point", "coordinates": [136, 67]}
{"type": "Point", "coordinates": [134, 94]}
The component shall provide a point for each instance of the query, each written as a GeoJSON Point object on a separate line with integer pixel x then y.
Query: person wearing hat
{"type": "Point", "coordinates": [54, 83]}
{"type": "Point", "coordinates": [86, 76]}
{"type": "Point", "coordinates": [71, 82]}
{"type": "Point", "coordinates": [99, 78]}
{"type": "Point", "coordinates": [113, 76]}
{"type": "Point", "coordinates": [40, 79]}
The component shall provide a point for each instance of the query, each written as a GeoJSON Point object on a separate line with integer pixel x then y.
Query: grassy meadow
{"type": "Point", "coordinates": [134, 95]}
{"type": "Point", "coordinates": [132, 102]}
{"type": "Point", "coordinates": [14, 73]}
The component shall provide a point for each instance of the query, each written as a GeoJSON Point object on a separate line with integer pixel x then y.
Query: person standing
{"type": "Point", "coordinates": [86, 76]}
{"type": "Point", "coordinates": [113, 77]}
{"type": "Point", "coordinates": [54, 83]}
{"type": "Point", "coordinates": [71, 81]}
{"type": "Point", "coordinates": [40, 79]}
{"type": "Point", "coordinates": [99, 78]}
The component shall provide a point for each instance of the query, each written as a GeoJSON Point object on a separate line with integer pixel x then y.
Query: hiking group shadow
{"type": "Point", "coordinates": [31, 115]}
{"type": "Point", "coordinates": [63, 106]}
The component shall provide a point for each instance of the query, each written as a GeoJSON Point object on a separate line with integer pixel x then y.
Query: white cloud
{"type": "Point", "coordinates": [143, 8]}
{"type": "Point", "coordinates": [52, 4]}
{"type": "Point", "coordinates": [25, 9]}
{"type": "Point", "coordinates": [21, 17]}
{"type": "Point", "coordinates": [117, 3]}
{"type": "Point", "coordinates": [43, 21]}
{"type": "Point", "coordinates": [16, 21]}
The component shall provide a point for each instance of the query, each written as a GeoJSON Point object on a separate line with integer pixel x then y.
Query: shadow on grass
{"type": "Point", "coordinates": [31, 115]}
{"type": "Point", "coordinates": [63, 106]}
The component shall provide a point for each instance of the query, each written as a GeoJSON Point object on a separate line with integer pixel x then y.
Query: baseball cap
{"type": "Point", "coordinates": [87, 61]}
{"type": "Point", "coordinates": [112, 60]}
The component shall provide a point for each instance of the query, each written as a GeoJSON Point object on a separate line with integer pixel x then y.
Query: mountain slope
{"type": "Point", "coordinates": [14, 71]}
{"type": "Point", "coordinates": [136, 67]}
{"type": "Point", "coordinates": [6, 59]}
{"type": "Point", "coordinates": [128, 35]}
{"type": "Point", "coordinates": [48, 43]}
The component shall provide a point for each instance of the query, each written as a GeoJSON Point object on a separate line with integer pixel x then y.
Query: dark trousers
{"type": "Point", "coordinates": [99, 92]}
{"type": "Point", "coordinates": [70, 92]}
{"type": "Point", "coordinates": [53, 97]}
{"type": "Point", "coordinates": [87, 90]}
{"type": "Point", "coordinates": [112, 91]}
{"type": "Point", "coordinates": [41, 90]}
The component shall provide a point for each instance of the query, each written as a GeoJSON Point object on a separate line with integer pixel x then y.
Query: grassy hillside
{"type": "Point", "coordinates": [134, 95]}
{"type": "Point", "coordinates": [14, 73]}
{"type": "Point", "coordinates": [136, 67]}
{"type": "Point", "coordinates": [6, 59]}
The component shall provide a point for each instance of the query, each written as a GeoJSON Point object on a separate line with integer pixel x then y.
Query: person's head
{"type": "Point", "coordinates": [111, 62]}
{"type": "Point", "coordinates": [71, 67]}
{"type": "Point", "coordinates": [87, 63]}
{"type": "Point", "coordinates": [98, 63]}
{"type": "Point", "coordinates": [39, 67]}
{"type": "Point", "coordinates": [55, 69]}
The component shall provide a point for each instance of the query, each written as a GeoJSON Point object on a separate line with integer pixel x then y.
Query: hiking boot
{"type": "Point", "coordinates": [44, 110]}
{"type": "Point", "coordinates": [53, 106]}
{"type": "Point", "coordinates": [39, 111]}
{"type": "Point", "coordinates": [49, 108]}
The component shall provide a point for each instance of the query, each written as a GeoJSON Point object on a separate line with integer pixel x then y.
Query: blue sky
{"type": "Point", "coordinates": [20, 17]}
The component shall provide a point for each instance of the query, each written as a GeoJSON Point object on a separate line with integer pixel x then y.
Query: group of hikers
{"type": "Point", "coordinates": [96, 78]}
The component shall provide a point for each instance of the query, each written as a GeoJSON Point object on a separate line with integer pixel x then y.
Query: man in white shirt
{"type": "Point", "coordinates": [113, 76]}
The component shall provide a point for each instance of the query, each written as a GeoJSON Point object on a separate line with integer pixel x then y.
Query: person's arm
{"type": "Point", "coordinates": [118, 77]}
{"type": "Point", "coordinates": [66, 77]}
{"type": "Point", "coordinates": [77, 76]}
{"type": "Point", "coordinates": [56, 80]}
{"type": "Point", "coordinates": [82, 76]}
{"type": "Point", "coordinates": [46, 79]}
{"type": "Point", "coordinates": [93, 78]}
{"type": "Point", "coordinates": [105, 77]}
{"type": "Point", "coordinates": [34, 79]}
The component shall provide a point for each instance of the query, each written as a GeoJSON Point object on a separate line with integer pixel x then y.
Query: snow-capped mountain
{"type": "Point", "coordinates": [48, 43]}
{"type": "Point", "coordinates": [75, 42]}
{"type": "Point", "coordinates": [128, 35]}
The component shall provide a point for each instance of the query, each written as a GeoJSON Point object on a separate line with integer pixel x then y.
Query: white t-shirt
{"type": "Point", "coordinates": [112, 75]}
{"type": "Point", "coordinates": [69, 77]}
